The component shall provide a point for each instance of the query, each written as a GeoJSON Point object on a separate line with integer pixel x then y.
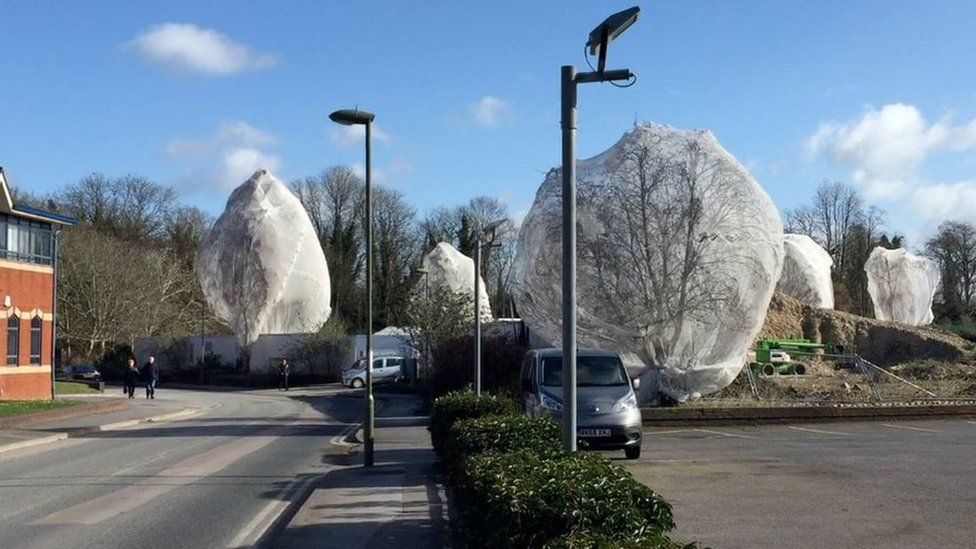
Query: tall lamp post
{"type": "Point", "coordinates": [481, 240]}
{"type": "Point", "coordinates": [424, 273]}
{"type": "Point", "coordinates": [352, 117]}
{"type": "Point", "coordinates": [598, 41]}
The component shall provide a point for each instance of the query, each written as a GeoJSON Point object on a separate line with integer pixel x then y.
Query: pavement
{"type": "Point", "coordinates": [890, 484]}
{"type": "Point", "coordinates": [400, 502]}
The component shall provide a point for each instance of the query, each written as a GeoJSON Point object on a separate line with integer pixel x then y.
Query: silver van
{"type": "Point", "coordinates": [388, 369]}
{"type": "Point", "coordinates": [607, 416]}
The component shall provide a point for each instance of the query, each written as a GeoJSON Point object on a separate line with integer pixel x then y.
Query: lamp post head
{"type": "Point", "coordinates": [611, 28]}
{"type": "Point", "coordinates": [351, 117]}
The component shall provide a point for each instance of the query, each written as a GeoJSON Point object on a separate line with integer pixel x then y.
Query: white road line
{"type": "Point", "coordinates": [820, 431]}
{"type": "Point", "coordinates": [973, 422]}
{"type": "Point", "coordinates": [674, 431]}
{"type": "Point", "coordinates": [723, 434]}
{"type": "Point", "coordinates": [256, 528]}
{"type": "Point", "coordinates": [906, 427]}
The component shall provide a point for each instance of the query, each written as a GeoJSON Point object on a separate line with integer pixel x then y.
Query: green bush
{"type": "Point", "coordinates": [459, 405]}
{"type": "Point", "coordinates": [522, 499]}
{"type": "Point", "coordinates": [509, 433]}
{"type": "Point", "coordinates": [588, 540]}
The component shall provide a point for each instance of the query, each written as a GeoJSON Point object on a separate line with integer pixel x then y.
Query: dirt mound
{"type": "Point", "coordinates": [881, 342]}
{"type": "Point", "coordinates": [784, 318]}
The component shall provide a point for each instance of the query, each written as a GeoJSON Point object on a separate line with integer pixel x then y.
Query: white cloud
{"type": "Point", "coordinates": [229, 157]}
{"type": "Point", "coordinates": [239, 164]}
{"type": "Point", "coordinates": [188, 48]}
{"type": "Point", "coordinates": [946, 200]}
{"type": "Point", "coordinates": [490, 111]}
{"type": "Point", "coordinates": [886, 148]}
{"type": "Point", "coordinates": [346, 136]}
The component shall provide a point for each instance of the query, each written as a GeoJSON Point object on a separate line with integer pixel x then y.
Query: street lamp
{"type": "Point", "coordinates": [481, 240]}
{"type": "Point", "coordinates": [352, 117]}
{"type": "Point", "coordinates": [598, 41]}
{"type": "Point", "coordinates": [424, 272]}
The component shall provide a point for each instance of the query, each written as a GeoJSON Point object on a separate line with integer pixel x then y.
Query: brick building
{"type": "Point", "coordinates": [28, 243]}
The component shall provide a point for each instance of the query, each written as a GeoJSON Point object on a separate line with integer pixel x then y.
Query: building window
{"type": "Point", "coordinates": [25, 240]}
{"type": "Point", "coordinates": [13, 340]}
{"type": "Point", "coordinates": [35, 356]}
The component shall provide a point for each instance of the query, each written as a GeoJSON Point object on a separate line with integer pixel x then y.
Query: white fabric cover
{"type": "Point", "coordinates": [450, 270]}
{"type": "Point", "coordinates": [677, 266]}
{"type": "Point", "coordinates": [806, 272]}
{"type": "Point", "coordinates": [261, 265]}
{"type": "Point", "coordinates": [902, 285]}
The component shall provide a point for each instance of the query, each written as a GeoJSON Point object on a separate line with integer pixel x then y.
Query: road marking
{"type": "Point", "coordinates": [265, 520]}
{"type": "Point", "coordinates": [650, 433]}
{"type": "Point", "coordinates": [906, 427]}
{"type": "Point", "coordinates": [723, 434]}
{"type": "Point", "coordinates": [820, 431]}
{"type": "Point", "coordinates": [180, 474]}
{"type": "Point", "coordinates": [973, 422]}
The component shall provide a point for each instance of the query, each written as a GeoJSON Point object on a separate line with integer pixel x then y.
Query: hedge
{"type": "Point", "coordinates": [507, 433]}
{"type": "Point", "coordinates": [522, 499]}
{"type": "Point", "coordinates": [458, 405]}
{"type": "Point", "coordinates": [588, 540]}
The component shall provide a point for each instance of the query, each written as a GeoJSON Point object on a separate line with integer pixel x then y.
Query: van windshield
{"type": "Point", "coordinates": [591, 371]}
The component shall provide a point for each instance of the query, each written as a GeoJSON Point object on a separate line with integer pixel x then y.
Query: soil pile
{"type": "Point", "coordinates": [882, 342]}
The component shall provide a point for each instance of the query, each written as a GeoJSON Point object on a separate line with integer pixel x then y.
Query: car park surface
{"type": "Point", "coordinates": [858, 484]}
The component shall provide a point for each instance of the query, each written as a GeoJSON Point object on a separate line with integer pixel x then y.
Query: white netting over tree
{"type": "Point", "coordinates": [902, 285]}
{"type": "Point", "coordinates": [806, 272]}
{"type": "Point", "coordinates": [679, 253]}
{"type": "Point", "coordinates": [448, 270]}
{"type": "Point", "coordinates": [261, 265]}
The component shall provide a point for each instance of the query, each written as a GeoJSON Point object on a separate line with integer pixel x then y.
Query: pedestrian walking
{"type": "Point", "coordinates": [130, 377]}
{"type": "Point", "coordinates": [283, 370]}
{"type": "Point", "coordinates": [150, 375]}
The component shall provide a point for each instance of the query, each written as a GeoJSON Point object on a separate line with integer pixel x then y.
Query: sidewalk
{"type": "Point", "coordinates": [398, 503]}
{"type": "Point", "coordinates": [134, 412]}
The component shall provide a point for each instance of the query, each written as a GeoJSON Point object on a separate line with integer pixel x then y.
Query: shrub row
{"type": "Point", "coordinates": [458, 405]}
{"type": "Point", "coordinates": [514, 487]}
{"type": "Point", "coordinates": [523, 499]}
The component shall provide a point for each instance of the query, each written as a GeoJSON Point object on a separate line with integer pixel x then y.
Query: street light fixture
{"type": "Point", "coordinates": [598, 42]}
{"type": "Point", "coordinates": [353, 117]}
{"type": "Point", "coordinates": [482, 240]}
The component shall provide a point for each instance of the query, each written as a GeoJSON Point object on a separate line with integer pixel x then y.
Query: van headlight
{"type": "Point", "coordinates": [550, 403]}
{"type": "Point", "coordinates": [626, 404]}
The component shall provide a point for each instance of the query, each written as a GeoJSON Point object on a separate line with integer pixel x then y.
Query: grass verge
{"type": "Point", "coordinates": [72, 388]}
{"type": "Point", "coordinates": [14, 407]}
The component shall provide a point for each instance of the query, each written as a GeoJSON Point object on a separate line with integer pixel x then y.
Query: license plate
{"type": "Point", "coordinates": [593, 432]}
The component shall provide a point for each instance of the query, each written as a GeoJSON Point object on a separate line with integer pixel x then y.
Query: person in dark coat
{"type": "Point", "coordinates": [131, 377]}
{"type": "Point", "coordinates": [150, 375]}
{"type": "Point", "coordinates": [283, 370]}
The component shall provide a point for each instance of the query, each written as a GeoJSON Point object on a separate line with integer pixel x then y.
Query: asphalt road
{"type": "Point", "coordinates": [214, 480]}
{"type": "Point", "coordinates": [873, 484]}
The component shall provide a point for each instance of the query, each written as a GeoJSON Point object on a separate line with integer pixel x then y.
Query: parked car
{"type": "Point", "coordinates": [387, 369]}
{"type": "Point", "coordinates": [82, 371]}
{"type": "Point", "coordinates": [607, 416]}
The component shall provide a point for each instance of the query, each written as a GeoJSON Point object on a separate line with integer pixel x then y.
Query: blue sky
{"type": "Point", "coordinates": [194, 94]}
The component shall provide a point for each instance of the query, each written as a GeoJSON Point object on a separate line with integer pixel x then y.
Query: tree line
{"type": "Point", "coordinates": [126, 270]}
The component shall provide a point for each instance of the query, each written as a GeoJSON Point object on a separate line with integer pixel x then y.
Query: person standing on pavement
{"type": "Point", "coordinates": [150, 375]}
{"type": "Point", "coordinates": [283, 370]}
{"type": "Point", "coordinates": [130, 377]}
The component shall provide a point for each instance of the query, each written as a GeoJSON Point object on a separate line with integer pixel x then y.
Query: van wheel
{"type": "Point", "coordinates": [357, 383]}
{"type": "Point", "coordinates": [633, 452]}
